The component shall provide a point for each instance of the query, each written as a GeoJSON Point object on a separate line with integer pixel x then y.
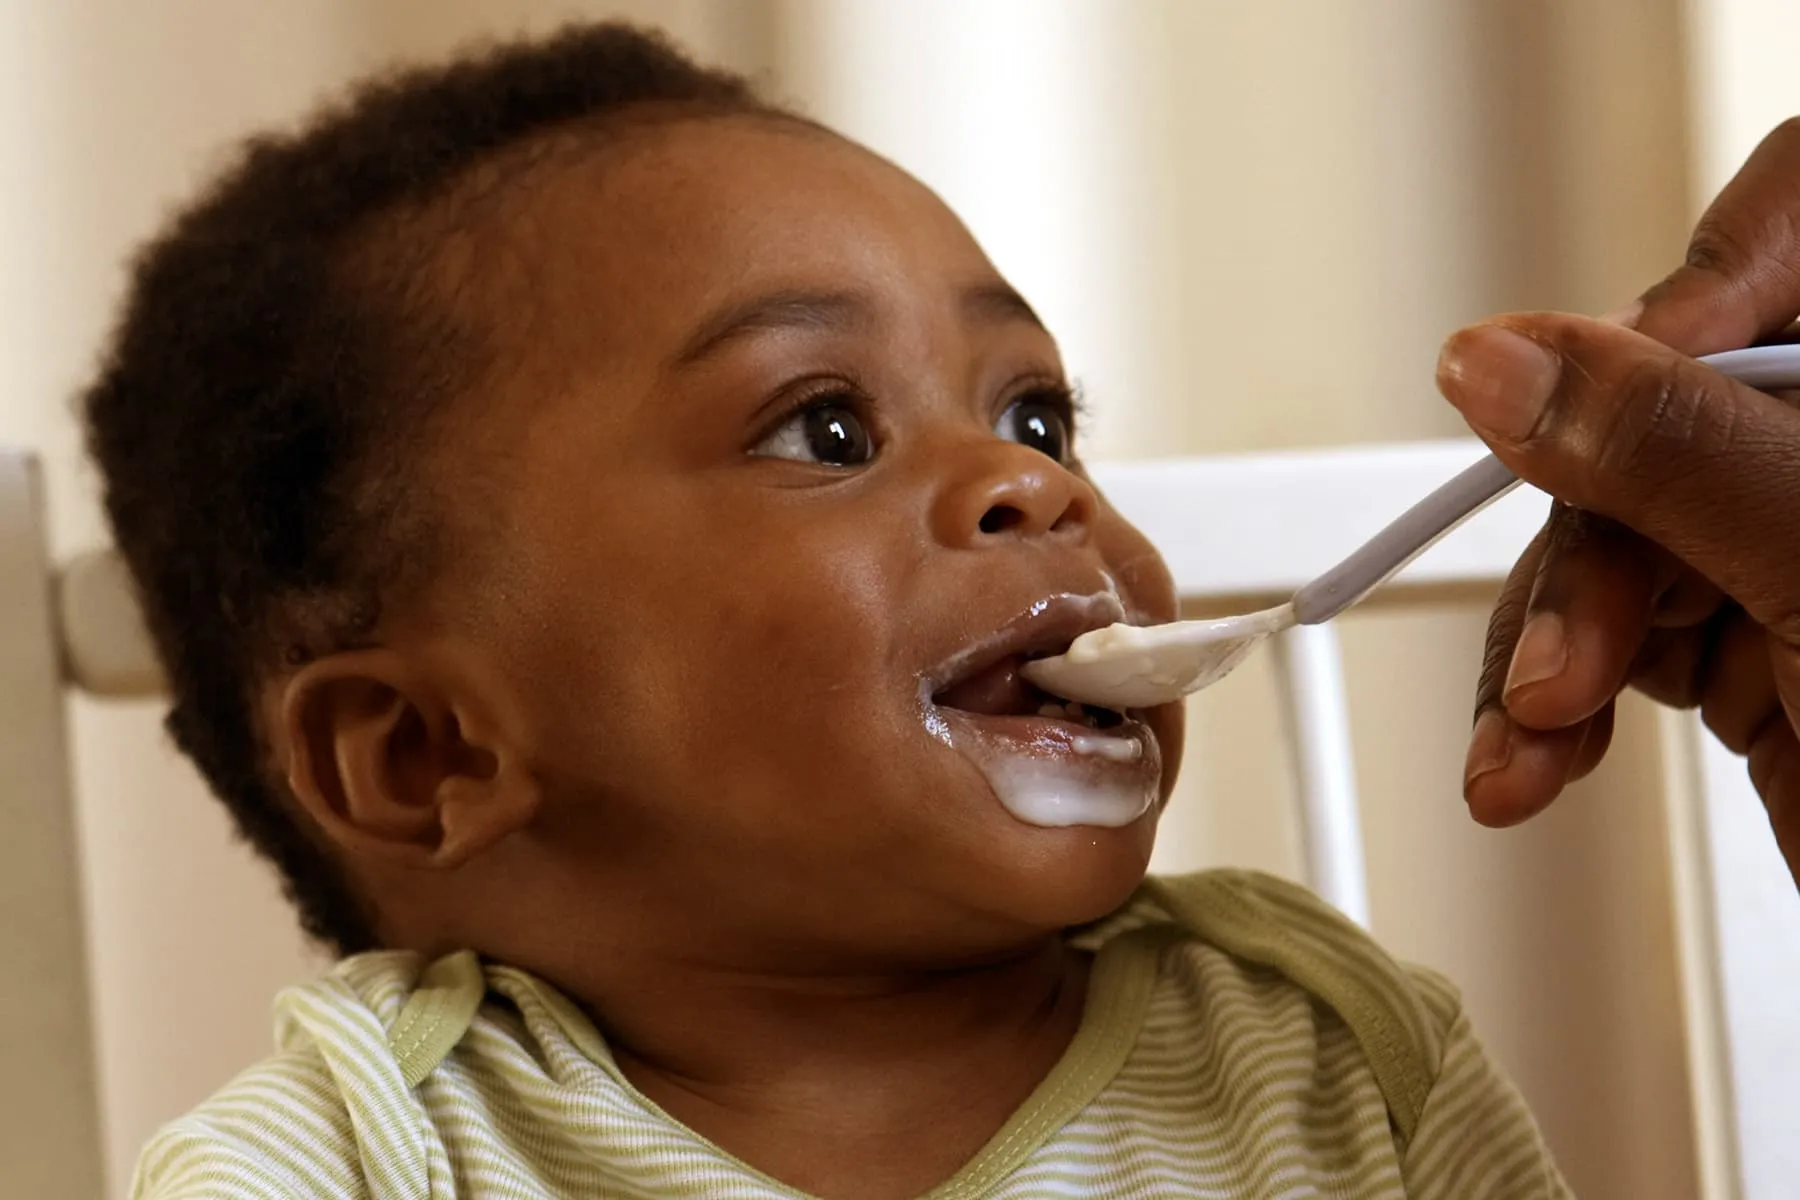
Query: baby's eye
{"type": "Point", "coordinates": [827, 432]}
{"type": "Point", "coordinates": [1038, 422]}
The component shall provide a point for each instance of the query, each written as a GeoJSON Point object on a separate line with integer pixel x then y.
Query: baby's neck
{"type": "Point", "coordinates": [866, 1087]}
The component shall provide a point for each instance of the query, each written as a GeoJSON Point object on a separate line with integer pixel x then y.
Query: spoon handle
{"type": "Point", "coordinates": [1418, 528]}
{"type": "Point", "coordinates": [1409, 535]}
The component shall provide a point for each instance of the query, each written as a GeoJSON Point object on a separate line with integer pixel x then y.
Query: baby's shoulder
{"type": "Point", "coordinates": [1273, 922]}
{"type": "Point", "coordinates": [280, 1128]}
{"type": "Point", "coordinates": [1239, 897]}
{"type": "Point", "coordinates": [299, 1123]}
{"type": "Point", "coordinates": [1276, 923]}
{"type": "Point", "coordinates": [1401, 1015]}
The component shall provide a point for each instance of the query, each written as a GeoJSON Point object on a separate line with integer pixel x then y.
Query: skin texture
{"type": "Point", "coordinates": [655, 735]}
{"type": "Point", "coordinates": [1669, 563]}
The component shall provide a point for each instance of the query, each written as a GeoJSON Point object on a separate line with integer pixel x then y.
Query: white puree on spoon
{"type": "Point", "coordinates": [1130, 666]}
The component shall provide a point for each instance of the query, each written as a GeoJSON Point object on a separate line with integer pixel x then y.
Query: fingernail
{"type": "Point", "coordinates": [1500, 380]}
{"type": "Point", "coordinates": [1490, 746]}
{"type": "Point", "coordinates": [1542, 652]}
{"type": "Point", "coordinates": [1627, 316]}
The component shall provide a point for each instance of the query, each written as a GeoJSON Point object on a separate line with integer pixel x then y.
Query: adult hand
{"type": "Point", "coordinates": [1671, 561]}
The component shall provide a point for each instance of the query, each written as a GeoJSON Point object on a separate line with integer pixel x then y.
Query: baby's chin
{"type": "Point", "coordinates": [1089, 877]}
{"type": "Point", "coordinates": [1049, 878]}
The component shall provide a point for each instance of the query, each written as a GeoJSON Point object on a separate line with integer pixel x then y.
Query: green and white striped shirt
{"type": "Point", "coordinates": [1240, 1039]}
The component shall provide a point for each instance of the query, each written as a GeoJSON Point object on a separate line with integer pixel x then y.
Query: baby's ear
{"type": "Point", "coordinates": [388, 757]}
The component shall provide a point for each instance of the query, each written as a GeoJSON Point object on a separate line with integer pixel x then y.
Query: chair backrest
{"type": "Point", "coordinates": [1286, 518]}
{"type": "Point", "coordinates": [49, 1127]}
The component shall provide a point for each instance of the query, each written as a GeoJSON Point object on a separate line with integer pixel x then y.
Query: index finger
{"type": "Point", "coordinates": [1741, 280]}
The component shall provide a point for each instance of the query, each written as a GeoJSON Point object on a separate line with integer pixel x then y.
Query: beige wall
{"type": "Point", "coordinates": [1251, 224]}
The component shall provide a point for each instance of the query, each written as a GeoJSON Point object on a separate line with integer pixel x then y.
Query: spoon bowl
{"type": "Point", "coordinates": [1141, 666]}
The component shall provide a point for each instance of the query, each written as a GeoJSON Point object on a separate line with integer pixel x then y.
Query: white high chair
{"type": "Point", "coordinates": [1292, 515]}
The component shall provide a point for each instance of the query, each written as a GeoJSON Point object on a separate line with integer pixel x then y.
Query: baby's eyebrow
{"type": "Point", "coordinates": [982, 303]}
{"type": "Point", "coordinates": [829, 311]}
{"type": "Point", "coordinates": [997, 303]}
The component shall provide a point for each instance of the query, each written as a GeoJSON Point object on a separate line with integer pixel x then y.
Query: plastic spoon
{"type": "Point", "coordinates": [1127, 666]}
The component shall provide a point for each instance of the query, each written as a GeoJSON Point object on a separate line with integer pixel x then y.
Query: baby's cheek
{"type": "Point", "coordinates": [1145, 583]}
{"type": "Point", "coordinates": [805, 632]}
{"type": "Point", "coordinates": [1169, 723]}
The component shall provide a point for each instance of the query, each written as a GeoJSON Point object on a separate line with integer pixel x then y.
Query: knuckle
{"type": "Point", "coordinates": [1494, 665]}
{"type": "Point", "coordinates": [1720, 246]}
{"type": "Point", "coordinates": [1508, 618]}
{"type": "Point", "coordinates": [1668, 420]}
{"type": "Point", "coordinates": [1666, 668]}
{"type": "Point", "coordinates": [1733, 681]}
{"type": "Point", "coordinates": [1742, 242]}
{"type": "Point", "coordinates": [1577, 531]}
{"type": "Point", "coordinates": [1593, 556]}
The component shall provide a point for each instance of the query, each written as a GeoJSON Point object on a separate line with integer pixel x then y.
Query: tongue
{"type": "Point", "coordinates": [997, 691]}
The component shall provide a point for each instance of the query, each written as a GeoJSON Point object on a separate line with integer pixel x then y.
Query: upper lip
{"type": "Point", "coordinates": [1046, 627]}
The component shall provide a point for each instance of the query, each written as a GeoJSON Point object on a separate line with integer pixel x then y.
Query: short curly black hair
{"type": "Point", "coordinates": [271, 357]}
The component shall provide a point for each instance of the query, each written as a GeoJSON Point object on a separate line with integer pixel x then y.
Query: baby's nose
{"type": "Point", "coordinates": [1009, 492]}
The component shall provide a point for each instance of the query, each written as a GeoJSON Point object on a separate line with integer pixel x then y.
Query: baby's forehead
{"type": "Point", "coordinates": [655, 223]}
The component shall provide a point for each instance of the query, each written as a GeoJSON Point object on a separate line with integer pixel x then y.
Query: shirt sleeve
{"type": "Point", "coordinates": [277, 1132]}
{"type": "Point", "coordinates": [184, 1168]}
{"type": "Point", "coordinates": [1475, 1139]}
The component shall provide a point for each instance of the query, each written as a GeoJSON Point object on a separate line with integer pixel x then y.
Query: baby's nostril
{"type": "Point", "coordinates": [1001, 518]}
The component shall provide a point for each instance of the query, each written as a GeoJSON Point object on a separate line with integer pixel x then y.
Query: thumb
{"type": "Point", "coordinates": [1613, 422]}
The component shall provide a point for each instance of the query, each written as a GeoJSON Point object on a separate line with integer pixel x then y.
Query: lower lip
{"type": "Point", "coordinates": [1055, 774]}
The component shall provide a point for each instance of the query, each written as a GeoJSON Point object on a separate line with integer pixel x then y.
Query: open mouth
{"type": "Point", "coordinates": [985, 681]}
{"type": "Point", "coordinates": [999, 690]}
{"type": "Point", "coordinates": [1049, 760]}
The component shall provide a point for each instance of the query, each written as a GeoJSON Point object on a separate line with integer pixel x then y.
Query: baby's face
{"type": "Point", "coordinates": [778, 482]}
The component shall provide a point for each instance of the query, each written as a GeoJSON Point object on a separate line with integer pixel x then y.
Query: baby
{"type": "Point", "coordinates": [592, 520]}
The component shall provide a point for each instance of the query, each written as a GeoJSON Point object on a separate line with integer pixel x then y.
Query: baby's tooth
{"type": "Point", "coordinates": [1050, 710]}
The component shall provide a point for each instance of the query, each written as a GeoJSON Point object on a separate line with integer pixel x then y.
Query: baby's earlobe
{"type": "Point", "coordinates": [475, 813]}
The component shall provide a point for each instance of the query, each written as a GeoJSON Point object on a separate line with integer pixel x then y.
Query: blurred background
{"type": "Point", "coordinates": [1249, 223]}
